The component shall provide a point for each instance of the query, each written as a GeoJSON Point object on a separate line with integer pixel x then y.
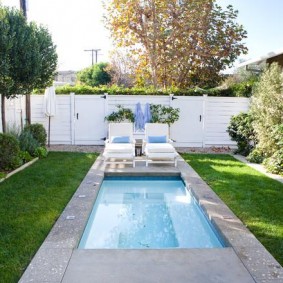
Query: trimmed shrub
{"type": "Point", "coordinates": [117, 90]}
{"type": "Point", "coordinates": [38, 132]}
{"type": "Point", "coordinates": [9, 153]}
{"type": "Point", "coordinates": [28, 142]}
{"type": "Point", "coordinates": [241, 130]}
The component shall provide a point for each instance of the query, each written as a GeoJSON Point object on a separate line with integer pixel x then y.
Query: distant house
{"type": "Point", "coordinates": [65, 77]}
{"type": "Point", "coordinates": [271, 57]}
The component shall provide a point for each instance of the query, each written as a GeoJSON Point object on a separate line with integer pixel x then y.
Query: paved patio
{"type": "Point", "coordinates": [59, 260]}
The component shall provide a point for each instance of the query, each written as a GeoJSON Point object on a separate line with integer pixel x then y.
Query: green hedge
{"type": "Point", "coordinates": [239, 90]}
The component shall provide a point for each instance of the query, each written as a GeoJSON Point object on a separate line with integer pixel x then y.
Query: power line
{"type": "Point", "coordinates": [92, 52]}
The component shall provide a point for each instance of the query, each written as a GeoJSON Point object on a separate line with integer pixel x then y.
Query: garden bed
{"type": "Point", "coordinates": [19, 169]}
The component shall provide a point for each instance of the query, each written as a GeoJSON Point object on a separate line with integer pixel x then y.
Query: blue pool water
{"type": "Point", "coordinates": [147, 212]}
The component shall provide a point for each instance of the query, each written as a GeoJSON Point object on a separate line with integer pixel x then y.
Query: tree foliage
{"type": "Point", "coordinates": [121, 68]}
{"type": "Point", "coordinates": [181, 43]}
{"type": "Point", "coordinates": [28, 56]}
{"type": "Point", "coordinates": [95, 75]}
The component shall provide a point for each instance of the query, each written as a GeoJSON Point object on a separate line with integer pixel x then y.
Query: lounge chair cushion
{"type": "Point", "coordinates": [120, 139]}
{"type": "Point", "coordinates": [119, 148]}
{"type": "Point", "coordinates": [162, 155]}
{"type": "Point", "coordinates": [157, 139]}
{"type": "Point", "coordinates": [159, 148]}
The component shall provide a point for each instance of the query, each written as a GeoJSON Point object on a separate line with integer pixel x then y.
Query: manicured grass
{"type": "Point", "coordinates": [256, 199]}
{"type": "Point", "coordinates": [30, 203]}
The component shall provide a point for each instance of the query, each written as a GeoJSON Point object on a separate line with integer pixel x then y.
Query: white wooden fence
{"type": "Point", "coordinates": [80, 118]}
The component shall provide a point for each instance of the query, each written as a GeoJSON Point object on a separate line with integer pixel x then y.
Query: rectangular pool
{"type": "Point", "coordinates": [147, 213]}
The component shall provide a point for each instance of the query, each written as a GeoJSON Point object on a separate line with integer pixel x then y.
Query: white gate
{"type": "Point", "coordinates": [188, 130]}
{"type": "Point", "coordinates": [89, 115]}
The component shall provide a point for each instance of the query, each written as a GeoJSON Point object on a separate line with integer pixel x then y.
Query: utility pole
{"type": "Point", "coordinates": [23, 7]}
{"type": "Point", "coordinates": [92, 52]}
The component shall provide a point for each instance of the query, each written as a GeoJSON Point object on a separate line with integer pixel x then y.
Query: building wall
{"type": "Point", "coordinates": [278, 59]}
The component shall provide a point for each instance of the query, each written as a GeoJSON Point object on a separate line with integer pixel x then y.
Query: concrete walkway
{"type": "Point", "coordinates": [244, 260]}
{"type": "Point", "coordinates": [259, 168]}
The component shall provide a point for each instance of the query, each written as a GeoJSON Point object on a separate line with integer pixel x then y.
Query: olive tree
{"type": "Point", "coordinates": [28, 57]}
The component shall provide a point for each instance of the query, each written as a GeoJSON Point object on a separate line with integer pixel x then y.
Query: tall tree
{"type": "Point", "coordinates": [182, 43]}
{"type": "Point", "coordinates": [28, 56]}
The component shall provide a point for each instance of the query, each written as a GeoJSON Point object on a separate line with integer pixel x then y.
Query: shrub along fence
{"type": "Point", "coordinates": [80, 119]}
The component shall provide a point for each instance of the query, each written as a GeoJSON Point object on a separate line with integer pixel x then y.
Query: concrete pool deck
{"type": "Point", "coordinates": [59, 260]}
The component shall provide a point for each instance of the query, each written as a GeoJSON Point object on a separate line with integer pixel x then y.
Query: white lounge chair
{"type": "Point", "coordinates": [120, 146]}
{"type": "Point", "coordinates": [157, 146]}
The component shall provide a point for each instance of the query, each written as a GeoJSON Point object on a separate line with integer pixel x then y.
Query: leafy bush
{"type": "Point", "coordinates": [274, 164]}
{"type": "Point", "coordinates": [9, 153]}
{"type": "Point", "coordinates": [256, 156]}
{"type": "Point", "coordinates": [2, 175]}
{"type": "Point", "coordinates": [41, 152]}
{"type": "Point", "coordinates": [38, 132]}
{"type": "Point", "coordinates": [164, 114]}
{"type": "Point", "coordinates": [267, 108]}
{"type": "Point", "coordinates": [28, 142]}
{"type": "Point", "coordinates": [241, 130]}
{"type": "Point", "coordinates": [242, 89]}
{"type": "Point", "coordinates": [25, 156]}
{"type": "Point", "coordinates": [277, 136]}
{"type": "Point", "coordinates": [123, 114]}
{"type": "Point", "coordinates": [13, 129]}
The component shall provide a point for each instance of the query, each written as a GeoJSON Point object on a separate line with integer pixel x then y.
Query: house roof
{"type": "Point", "coordinates": [261, 59]}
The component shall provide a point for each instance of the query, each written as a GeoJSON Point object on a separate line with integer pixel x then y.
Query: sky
{"type": "Point", "coordinates": [76, 26]}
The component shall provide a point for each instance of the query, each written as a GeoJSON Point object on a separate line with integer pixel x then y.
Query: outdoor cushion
{"type": "Point", "coordinates": [159, 148]}
{"type": "Point", "coordinates": [120, 139]}
{"type": "Point", "coordinates": [119, 148]}
{"type": "Point", "coordinates": [162, 155]}
{"type": "Point", "coordinates": [157, 139]}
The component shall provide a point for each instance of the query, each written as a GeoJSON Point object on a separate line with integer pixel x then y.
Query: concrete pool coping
{"type": "Point", "coordinates": [59, 260]}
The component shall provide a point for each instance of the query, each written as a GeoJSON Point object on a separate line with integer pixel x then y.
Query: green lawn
{"type": "Point", "coordinates": [256, 199]}
{"type": "Point", "coordinates": [30, 203]}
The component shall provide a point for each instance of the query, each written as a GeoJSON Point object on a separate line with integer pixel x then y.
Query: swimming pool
{"type": "Point", "coordinates": [147, 212]}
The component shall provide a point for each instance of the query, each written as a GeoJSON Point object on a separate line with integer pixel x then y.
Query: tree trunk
{"type": "Point", "coordinates": [28, 112]}
{"type": "Point", "coordinates": [3, 113]}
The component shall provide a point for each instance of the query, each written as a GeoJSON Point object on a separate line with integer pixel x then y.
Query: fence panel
{"type": "Point", "coordinates": [15, 113]}
{"type": "Point", "coordinates": [60, 124]}
{"type": "Point", "coordinates": [190, 130]}
{"type": "Point", "coordinates": [217, 113]}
